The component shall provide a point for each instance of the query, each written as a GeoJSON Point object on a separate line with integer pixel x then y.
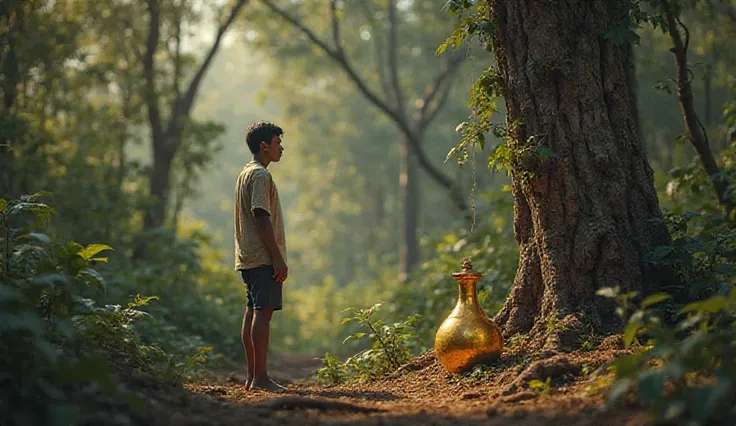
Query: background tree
{"type": "Point", "coordinates": [411, 112]}
{"type": "Point", "coordinates": [695, 129]}
{"type": "Point", "coordinates": [167, 133]}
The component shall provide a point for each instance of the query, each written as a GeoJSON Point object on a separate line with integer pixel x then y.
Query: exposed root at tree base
{"type": "Point", "coordinates": [551, 368]}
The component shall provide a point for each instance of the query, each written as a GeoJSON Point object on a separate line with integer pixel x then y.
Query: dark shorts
{"type": "Point", "coordinates": [262, 289]}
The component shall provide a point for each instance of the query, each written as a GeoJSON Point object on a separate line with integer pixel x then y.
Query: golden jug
{"type": "Point", "coordinates": [468, 336]}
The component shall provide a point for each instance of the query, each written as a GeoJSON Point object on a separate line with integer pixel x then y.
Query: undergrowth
{"type": "Point", "coordinates": [683, 365]}
{"type": "Point", "coordinates": [389, 346]}
{"type": "Point", "coordinates": [61, 347]}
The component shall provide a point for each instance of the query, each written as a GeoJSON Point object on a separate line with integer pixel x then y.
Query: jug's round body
{"type": "Point", "coordinates": [467, 337]}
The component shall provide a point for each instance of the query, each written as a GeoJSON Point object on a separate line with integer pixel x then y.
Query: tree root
{"type": "Point", "coordinates": [295, 403]}
{"type": "Point", "coordinates": [554, 367]}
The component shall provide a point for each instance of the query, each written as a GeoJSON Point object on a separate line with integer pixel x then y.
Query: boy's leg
{"type": "Point", "coordinates": [265, 297]}
{"type": "Point", "coordinates": [245, 334]}
{"type": "Point", "coordinates": [260, 334]}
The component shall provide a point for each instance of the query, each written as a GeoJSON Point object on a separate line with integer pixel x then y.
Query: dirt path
{"type": "Point", "coordinates": [422, 393]}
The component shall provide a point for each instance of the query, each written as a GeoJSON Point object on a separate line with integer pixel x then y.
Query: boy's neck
{"type": "Point", "coordinates": [261, 159]}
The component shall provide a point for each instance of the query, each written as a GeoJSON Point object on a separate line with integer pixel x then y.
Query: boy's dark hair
{"type": "Point", "coordinates": [261, 131]}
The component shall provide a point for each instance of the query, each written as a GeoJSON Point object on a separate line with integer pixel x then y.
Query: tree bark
{"type": "Point", "coordinates": [409, 192]}
{"type": "Point", "coordinates": [586, 218]}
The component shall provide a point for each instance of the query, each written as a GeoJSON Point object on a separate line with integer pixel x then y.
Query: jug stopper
{"type": "Point", "coordinates": [467, 266]}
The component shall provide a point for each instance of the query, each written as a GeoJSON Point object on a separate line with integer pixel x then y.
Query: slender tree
{"type": "Point", "coordinates": [696, 132]}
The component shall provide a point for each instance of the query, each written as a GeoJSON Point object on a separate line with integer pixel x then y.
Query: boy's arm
{"type": "Point", "coordinates": [263, 221]}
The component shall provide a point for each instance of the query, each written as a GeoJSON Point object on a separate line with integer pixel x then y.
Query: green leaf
{"type": "Point", "coordinates": [693, 245]}
{"type": "Point", "coordinates": [620, 35]}
{"type": "Point", "coordinates": [29, 322]}
{"type": "Point", "coordinates": [90, 369]}
{"type": "Point", "coordinates": [3, 205]}
{"type": "Point", "coordinates": [42, 238]}
{"type": "Point", "coordinates": [442, 47]}
{"type": "Point", "coordinates": [689, 322]}
{"type": "Point", "coordinates": [481, 140]}
{"type": "Point", "coordinates": [627, 365]}
{"type": "Point", "coordinates": [619, 389]}
{"type": "Point", "coordinates": [51, 279]}
{"type": "Point", "coordinates": [537, 384]}
{"type": "Point", "coordinates": [654, 299]}
{"type": "Point", "coordinates": [659, 253]}
{"type": "Point", "coordinates": [630, 333]}
{"type": "Point", "coordinates": [651, 385]}
{"type": "Point", "coordinates": [706, 399]}
{"type": "Point", "coordinates": [93, 249]}
{"type": "Point", "coordinates": [545, 153]}
{"type": "Point", "coordinates": [673, 370]}
{"type": "Point", "coordinates": [674, 409]}
{"type": "Point", "coordinates": [354, 336]}
{"type": "Point", "coordinates": [609, 292]}
{"type": "Point", "coordinates": [713, 305]}
{"type": "Point", "coordinates": [92, 278]}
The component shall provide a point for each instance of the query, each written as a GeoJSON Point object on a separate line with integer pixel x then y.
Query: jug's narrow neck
{"type": "Point", "coordinates": [467, 293]}
{"type": "Point", "coordinates": [466, 289]}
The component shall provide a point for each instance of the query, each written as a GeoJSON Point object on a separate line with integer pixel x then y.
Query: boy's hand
{"type": "Point", "coordinates": [281, 271]}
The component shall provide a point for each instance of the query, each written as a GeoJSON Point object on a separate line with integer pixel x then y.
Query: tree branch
{"type": "Point", "coordinates": [335, 26]}
{"type": "Point", "coordinates": [154, 112]}
{"type": "Point", "coordinates": [184, 106]}
{"type": "Point", "coordinates": [338, 55]}
{"type": "Point", "coordinates": [431, 114]}
{"type": "Point", "coordinates": [695, 132]}
{"type": "Point", "coordinates": [442, 85]}
{"type": "Point", "coordinates": [176, 83]}
{"type": "Point", "coordinates": [379, 49]}
{"type": "Point", "coordinates": [725, 10]}
{"type": "Point", "coordinates": [392, 53]}
{"type": "Point", "coordinates": [438, 176]}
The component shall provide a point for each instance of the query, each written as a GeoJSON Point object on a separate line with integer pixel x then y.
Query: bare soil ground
{"type": "Point", "coordinates": [420, 393]}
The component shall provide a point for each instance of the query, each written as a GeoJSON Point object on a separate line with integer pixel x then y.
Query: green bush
{"type": "Point", "coordinates": [686, 370]}
{"type": "Point", "coordinates": [59, 346]}
{"type": "Point", "coordinates": [389, 346]}
{"type": "Point", "coordinates": [683, 364]}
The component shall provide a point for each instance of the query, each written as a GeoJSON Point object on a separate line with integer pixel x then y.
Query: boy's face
{"type": "Point", "coordinates": [273, 149]}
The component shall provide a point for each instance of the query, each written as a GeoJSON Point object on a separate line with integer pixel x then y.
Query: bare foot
{"type": "Point", "coordinates": [266, 385]}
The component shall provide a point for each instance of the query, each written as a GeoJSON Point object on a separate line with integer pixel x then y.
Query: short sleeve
{"type": "Point", "coordinates": [260, 192]}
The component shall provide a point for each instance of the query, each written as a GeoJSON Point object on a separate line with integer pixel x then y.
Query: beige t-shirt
{"type": "Point", "coordinates": [255, 189]}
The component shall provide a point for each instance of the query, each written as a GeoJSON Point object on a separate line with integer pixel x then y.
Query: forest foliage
{"type": "Point", "coordinates": [74, 130]}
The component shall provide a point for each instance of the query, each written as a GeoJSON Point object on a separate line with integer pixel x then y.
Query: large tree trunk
{"type": "Point", "coordinates": [409, 193]}
{"type": "Point", "coordinates": [585, 218]}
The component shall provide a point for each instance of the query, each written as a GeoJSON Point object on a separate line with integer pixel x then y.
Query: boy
{"type": "Point", "coordinates": [260, 249]}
